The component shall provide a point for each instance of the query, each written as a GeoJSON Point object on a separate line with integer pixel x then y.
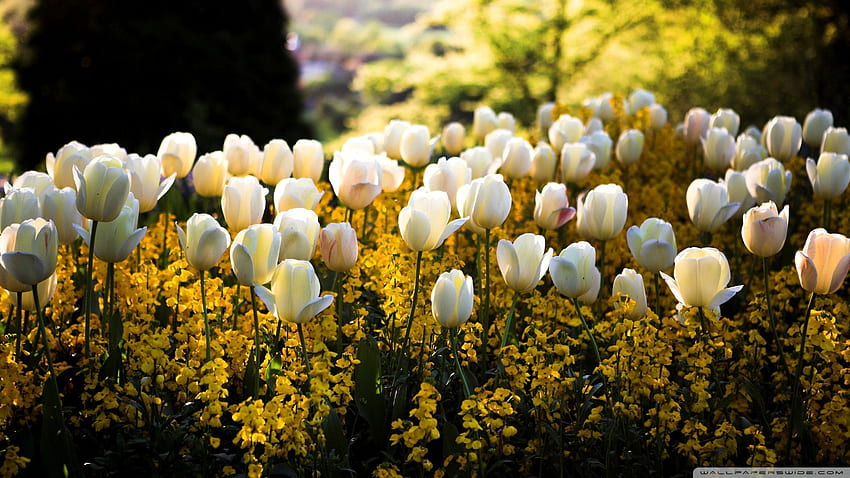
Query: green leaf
{"type": "Point", "coordinates": [335, 440]}
{"type": "Point", "coordinates": [367, 387]}
{"type": "Point", "coordinates": [57, 449]}
{"type": "Point", "coordinates": [252, 377]}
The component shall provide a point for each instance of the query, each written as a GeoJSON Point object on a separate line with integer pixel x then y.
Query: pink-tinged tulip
{"type": "Point", "coordinates": [308, 159]}
{"type": "Point", "coordinates": [145, 182]}
{"type": "Point", "coordinates": [452, 299]}
{"type": "Point", "coordinates": [447, 175]}
{"type": "Point", "coordinates": [276, 162]}
{"type": "Point", "coordinates": [574, 271]}
{"type": "Point", "coordinates": [601, 214]}
{"type": "Point", "coordinates": [339, 247]}
{"type": "Point", "coordinates": [577, 161]}
{"type": "Point", "coordinates": [61, 166]}
{"type": "Point", "coordinates": [243, 202]}
{"type": "Point", "coordinates": [543, 163]}
{"type": "Point", "coordinates": [764, 229]}
{"type": "Point", "coordinates": [416, 145]}
{"type": "Point", "coordinates": [836, 140]}
{"type": "Point", "coordinates": [783, 137]}
{"type": "Point", "coordinates": [479, 160]}
{"type": "Point", "coordinates": [824, 261]}
{"type": "Point", "coordinates": [767, 180]}
{"type": "Point", "coordinates": [60, 206]}
{"type": "Point", "coordinates": [815, 124]}
{"type": "Point", "coordinates": [299, 229]}
{"type": "Point", "coordinates": [566, 129]}
{"type": "Point", "coordinates": [424, 222]}
{"type": "Point", "coordinates": [18, 205]}
{"type": "Point", "coordinates": [102, 188]}
{"type": "Point", "coordinates": [600, 144]}
{"type": "Point", "coordinates": [119, 237]}
{"type": "Point", "coordinates": [484, 121]}
{"type": "Point", "coordinates": [392, 137]}
{"type": "Point", "coordinates": [177, 154]}
{"type": "Point", "coordinates": [30, 251]}
{"type": "Point", "coordinates": [708, 204]}
{"type": "Point", "coordinates": [453, 138]}
{"type": "Point", "coordinates": [204, 241]}
{"type": "Point", "coordinates": [485, 201]}
{"type": "Point", "coordinates": [552, 207]}
{"type": "Point", "coordinates": [356, 178]}
{"type": "Point", "coordinates": [291, 193]}
{"type": "Point", "coordinates": [254, 254]}
{"type": "Point", "coordinates": [629, 147]}
{"type": "Point", "coordinates": [653, 244]}
{"type": "Point", "coordinates": [718, 149]}
{"type": "Point", "coordinates": [725, 118]}
{"type": "Point", "coordinates": [524, 261]}
{"type": "Point", "coordinates": [516, 158]}
{"type": "Point", "coordinates": [829, 176]}
{"type": "Point", "coordinates": [700, 277]}
{"type": "Point", "coordinates": [630, 284]}
{"type": "Point", "coordinates": [242, 154]}
{"type": "Point", "coordinates": [294, 294]}
{"type": "Point", "coordinates": [696, 125]}
{"type": "Point", "coordinates": [209, 175]}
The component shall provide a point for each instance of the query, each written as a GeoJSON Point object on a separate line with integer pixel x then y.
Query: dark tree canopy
{"type": "Point", "coordinates": [133, 71]}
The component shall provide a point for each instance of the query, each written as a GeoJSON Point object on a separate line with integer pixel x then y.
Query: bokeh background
{"type": "Point", "coordinates": [131, 72]}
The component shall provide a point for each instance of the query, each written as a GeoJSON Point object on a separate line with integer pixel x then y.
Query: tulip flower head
{"type": "Point", "coordinates": [392, 173]}
{"type": "Point", "coordinates": [574, 271]}
{"type": "Point", "coordinates": [544, 117]}
{"type": "Point", "coordinates": [836, 140]}
{"type": "Point", "coordinates": [829, 176]}
{"type": "Point", "coordinates": [61, 166]}
{"type": "Point", "coordinates": [294, 294]}
{"type": "Point", "coordinates": [356, 178]}
{"type": "Point", "coordinates": [308, 159]}
{"type": "Point", "coordinates": [736, 191]}
{"type": "Point", "coordinates": [119, 237]}
{"type": "Point", "coordinates": [657, 117]}
{"type": "Point", "coordinates": [242, 154]}
{"type": "Point", "coordinates": [392, 137]}
{"type": "Point", "coordinates": [543, 163]}
{"type": "Point", "coordinates": [479, 160]}
{"type": "Point", "coordinates": [696, 125]}
{"type": "Point", "coordinates": [700, 277]}
{"type": "Point", "coordinates": [291, 193]}
{"type": "Point", "coordinates": [254, 254]}
{"type": "Point", "coordinates": [600, 144]}
{"type": "Point", "coordinates": [524, 261]}
{"type": "Point", "coordinates": [708, 204]}
{"type": "Point", "coordinates": [764, 229]}
{"type": "Point", "coordinates": [299, 229]}
{"type": "Point", "coordinates": [416, 145]}
{"type": "Point", "coordinates": [145, 182]}
{"type": "Point", "coordinates": [552, 207]}
{"type": "Point", "coordinates": [783, 137]}
{"type": "Point", "coordinates": [577, 161]}
{"type": "Point", "coordinates": [452, 299]}
{"type": "Point", "coordinates": [601, 214]}
{"type": "Point", "coordinates": [204, 241]}
{"type": "Point", "coordinates": [629, 147]}
{"type": "Point", "coordinates": [209, 175]}
{"type": "Point", "coordinates": [46, 290]}
{"type": "Point", "coordinates": [339, 247]}
{"type": "Point", "coordinates": [18, 205]}
{"type": "Point", "coordinates": [453, 137]}
{"type": "Point", "coordinates": [29, 251]}
{"type": "Point", "coordinates": [243, 202]}
{"type": "Point", "coordinates": [60, 206]}
{"type": "Point", "coordinates": [102, 188]}
{"type": "Point", "coordinates": [275, 162]}
{"type": "Point", "coordinates": [815, 124]}
{"type": "Point", "coordinates": [496, 141]}
{"type": "Point", "coordinates": [718, 149]}
{"type": "Point", "coordinates": [725, 118]}
{"type": "Point", "coordinates": [824, 261]}
{"type": "Point", "coordinates": [653, 244]}
{"type": "Point", "coordinates": [485, 201]}
{"type": "Point", "coordinates": [566, 129]}
{"type": "Point", "coordinates": [748, 151]}
{"type": "Point", "coordinates": [630, 284]}
{"type": "Point", "coordinates": [424, 222]}
{"type": "Point", "coordinates": [39, 182]}
{"type": "Point", "coordinates": [177, 154]}
{"type": "Point", "coordinates": [516, 158]}
{"type": "Point", "coordinates": [447, 175]}
{"type": "Point", "coordinates": [768, 180]}
{"type": "Point", "coordinates": [484, 121]}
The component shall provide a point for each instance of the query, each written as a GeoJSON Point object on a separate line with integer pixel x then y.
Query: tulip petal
{"type": "Point", "coordinates": [84, 233]}
{"type": "Point", "coordinates": [267, 297]}
{"type": "Point", "coordinates": [839, 273]}
{"type": "Point", "coordinates": [130, 243]}
{"type": "Point", "coordinates": [674, 287]}
{"type": "Point", "coordinates": [508, 260]}
{"type": "Point", "coordinates": [211, 245]}
{"type": "Point", "coordinates": [415, 228]}
{"type": "Point", "coordinates": [181, 236]}
{"type": "Point", "coordinates": [806, 271]}
{"type": "Point", "coordinates": [24, 267]}
{"type": "Point", "coordinates": [313, 308]}
{"type": "Point", "coordinates": [450, 228]}
{"type": "Point", "coordinates": [242, 264]}
{"type": "Point", "coordinates": [723, 296]}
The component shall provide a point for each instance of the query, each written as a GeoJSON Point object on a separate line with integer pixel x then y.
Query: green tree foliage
{"type": "Point", "coordinates": [12, 99]}
{"type": "Point", "coordinates": [132, 72]}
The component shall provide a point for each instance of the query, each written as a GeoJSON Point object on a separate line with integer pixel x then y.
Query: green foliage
{"type": "Point", "coordinates": [12, 99]}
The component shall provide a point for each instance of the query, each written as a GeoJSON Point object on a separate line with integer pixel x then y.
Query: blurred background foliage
{"type": "Point", "coordinates": [363, 62]}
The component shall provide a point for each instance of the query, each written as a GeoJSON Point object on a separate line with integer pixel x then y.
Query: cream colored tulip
{"type": "Point", "coordinates": [577, 161]}
{"type": "Point", "coordinates": [506, 121]}
{"type": "Point", "coordinates": [452, 299]}
{"type": "Point", "coordinates": [416, 146]}
{"type": "Point", "coordinates": [254, 254]}
{"type": "Point", "coordinates": [552, 207]}
{"type": "Point", "coordinates": [424, 222]}
{"type": "Point", "coordinates": [484, 121]}
{"type": "Point", "coordinates": [338, 246]}
{"type": "Point", "coordinates": [485, 201]}
{"type": "Point", "coordinates": [30, 250]}
{"type": "Point", "coordinates": [708, 204]}
{"type": "Point", "coordinates": [768, 180]}
{"type": "Point", "coordinates": [748, 151]}
{"type": "Point", "coordinates": [61, 166]}
{"type": "Point", "coordinates": [102, 188]}
{"type": "Point", "coordinates": [291, 193]}
{"type": "Point", "coordinates": [109, 149]}
{"type": "Point", "coordinates": [544, 162]}
{"type": "Point", "coordinates": [204, 241]}
{"type": "Point", "coordinates": [696, 125]}
{"type": "Point", "coordinates": [718, 149]}
{"type": "Point", "coordinates": [61, 207]}
{"type": "Point", "coordinates": [392, 137]}
{"type": "Point", "coordinates": [653, 244]}
{"type": "Point", "coordinates": [243, 202]}
{"type": "Point", "coordinates": [447, 175]}
{"type": "Point", "coordinates": [566, 129]}
{"type": "Point", "coordinates": [574, 271]}
{"type": "Point", "coordinates": [829, 176]}
{"type": "Point", "coordinates": [630, 284]}
{"type": "Point", "coordinates": [308, 159]}
{"type": "Point", "coordinates": [725, 118]}
{"type": "Point", "coordinates": [276, 162]}
{"type": "Point", "coordinates": [824, 261]}
{"type": "Point", "coordinates": [764, 229]}
{"type": "Point", "coordinates": [242, 154]}
{"type": "Point", "coordinates": [392, 173]}
{"type": "Point", "coordinates": [145, 183]}
{"type": "Point", "coordinates": [516, 158]}
{"type": "Point", "coordinates": [177, 153]}
{"type": "Point", "coordinates": [783, 137]}
{"type": "Point", "coordinates": [815, 124]}
{"type": "Point", "coordinates": [299, 229]}
{"type": "Point", "coordinates": [480, 161]}
{"type": "Point", "coordinates": [544, 117]}
{"type": "Point", "coordinates": [294, 294]}
{"type": "Point", "coordinates": [524, 261]}
{"type": "Point", "coordinates": [39, 182]}
{"type": "Point", "coordinates": [495, 142]}
{"type": "Point", "coordinates": [18, 205]}
{"type": "Point", "coordinates": [736, 191]}
{"type": "Point", "coordinates": [600, 144]}
{"type": "Point", "coordinates": [46, 291]}
{"type": "Point", "coordinates": [209, 175]}
{"type": "Point", "coordinates": [836, 140]}
{"type": "Point", "coordinates": [700, 277]}
{"type": "Point", "coordinates": [356, 178]}
{"type": "Point", "coordinates": [453, 138]}
{"type": "Point", "coordinates": [119, 237]}
{"type": "Point", "coordinates": [629, 147]}
{"type": "Point", "coordinates": [601, 214]}
{"type": "Point", "coordinates": [657, 117]}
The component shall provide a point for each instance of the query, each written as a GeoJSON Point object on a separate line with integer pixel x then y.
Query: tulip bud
{"type": "Point", "coordinates": [657, 117]}
{"type": "Point", "coordinates": [339, 247]}
{"type": "Point", "coordinates": [294, 294]}
{"type": "Point", "coordinates": [599, 143]}
{"type": "Point", "coordinates": [355, 177]}
{"type": "Point", "coordinates": [718, 148]}
{"type": "Point", "coordinates": [119, 237]}
{"type": "Point", "coordinates": [577, 161]}
{"type": "Point", "coordinates": [392, 137]}
{"type": "Point", "coordinates": [544, 118]}
{"type": "Point", "coordinates": [210, 174]}
{"type": "Point", "coordinates": [748, 151]}
{"type": "Point", "coordinates": [574, 271]}
{"type": "Point", "coordinates": [308, 160]}
{"type": "Point", "coordinates": [700, 276]}
{"type": "Point", "coordinates": [203, 242]}
{"type": "Point", "coordinates": [639, 99]}
{"type": "Point", "coordinates": [102, 188]}
{"type": "Point", "coordinates": [452, 299]}
{"type": "Point", "coordinates": [630, 284]}
{"type": "Point", "coordinates": [768, 180]}
{"type": "Point", "coordinates": [447, 175]}
{"type": "Point", "coordinates": [552, 207]}
{"type": "Point", "coordinates": [177, 153]}
{"type": "Point", "coordinates": [815, 124]}
{"type": "Point", "coordinates": [566, 129]}
{"type": "Point", "coordinates": [109, 149]}
{"type": "Point", "coordinates": [453, 137]}
{"type": "Point", "coordinates": [829, 176]}
{"type": "Point", "coordinates": [543, 163]}
{"type": "Point", "coordinates": [485, 201]}
{"type": "Point", "coordinates": [483, 122]}
{"type": "Point", "coordinates": [299, 229]}
{"type": "Point", "coordinates": [254, 254]}
{"type": "Point", "coordinates": [392, 175]}
{"type": "Point", "coordinates": [40, 183]}
{"type": "Point", "coordinates": [243, 202]}
{"type": "Point", "coordinates": [653, 244]}
{"type": "Point", "coordinates": [696, 125]}
{"type": "Point", "coordinates": [416, 146]}
{"type": "Point", "coordinates": [61, 207]}
{"type": "Point", "coordinates": [593, 125]}
{"type": "Point", "coordinates": [61, 166]}
{"type": "Point", "coordinates": [764, 229]}
{"type": "Point", "coordinates": [276, 162]}
{"type": "Point", "coordinates": [505, 120]}
{"type": "Point", "coordinates": [516, 158]}
{"type": "Point", "coordinates": [291, 193]}
{"type": "Point", "coordinates": [783, 137]}
{"type": "Point", "coordinates": [145, 183]}
{"type": "Point", "coordinates": [424, 222]}
{"type": "Point", "coordinates": [18, 205]}
{"type": "Point", "coordinates": [725, 118]}
{"type": "Point", "coordinates": [479, 159]}
{"type": "Point", "coordinates": [495, 142]}
{"type": "Point", "coordinates": [708, 204]}
{"type": "Point", "coordinates": [736, 191]}
{"type": "Point", "coordinates": [629, 147]}
{"type": "Point", "coordinates": [824, 261]}
{"type": "Point", "coordinates": [29, 251]}
{"type": "Point", "coordinates": [243, 156]}
{"type": "Point", "coordinates": [524, 261]}
{"type": "Point", "coordinates": [46, 290]}
{"type": "Point", "coordinates": [836, 140]}
{"type": "Point", "coordinates": [360, 143]}
{"type": "Point", "coordinates": [601, 214]}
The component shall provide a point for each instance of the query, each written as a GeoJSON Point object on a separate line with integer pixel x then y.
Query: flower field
{"type": "Point", "coordinates": [640, 306]}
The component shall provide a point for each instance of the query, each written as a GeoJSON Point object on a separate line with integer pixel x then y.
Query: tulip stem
{"type": "Point", "coordinates": [466, 390]}
{"type": "Point", "coordinates": [657, 280]}
{"type": "Point", "coordinates": [485, 315]}
{"type": "Point", "coordinates": [304, 350]}
{"type": "Point", "coordinates": [827, 213]}
{"type": "Point", "coordinates": [365, 222]}
{"type": "Point", "coordinates": [796, 406]}
{"type": "Point", "coordinates": [206, 319]}
{"type": "Point", "coordinates": [601, 278]}
{"type": "Point", "coordinates": [89, 292]}
{"type": "Point", "coordinates": [163, 256]}
{"type": "Point", "coordinates": [589, 334]}
{"type": "Point", "coordinates": [509, 323]}
{"type": "Point", "coordinates": [412, 306]}
{"type": "Point", "coordinates": [255, 387]}
{"type": "Point", "coordinates": [771, 318]}
{"type": "Point", "coordinates": [339, 277]}
{"type": "Point", "coordinates": [19, 320]}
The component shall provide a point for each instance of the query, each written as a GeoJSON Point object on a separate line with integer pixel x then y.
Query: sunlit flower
{"type": "Point", "coordinates": [424, 222]}
{"type": "Point", "coordinates": [294, 294]}
{"type": "Point", "coordinates": [700, 277]}
{"type": "Point", "coordinates": [177, 153]}
{"type": "Point", "coordinates": [243, 202]}
{"type": "Point", "coordinates": [552, 207]}
{"type": "Point", "coordinates": [452, 299]}
{"type": "Point", "coordinates": [524, 261]}
{"type": "Point", "coordinates": [824, 261]}
{"type": "Point", "coordinates": [291, 193]}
